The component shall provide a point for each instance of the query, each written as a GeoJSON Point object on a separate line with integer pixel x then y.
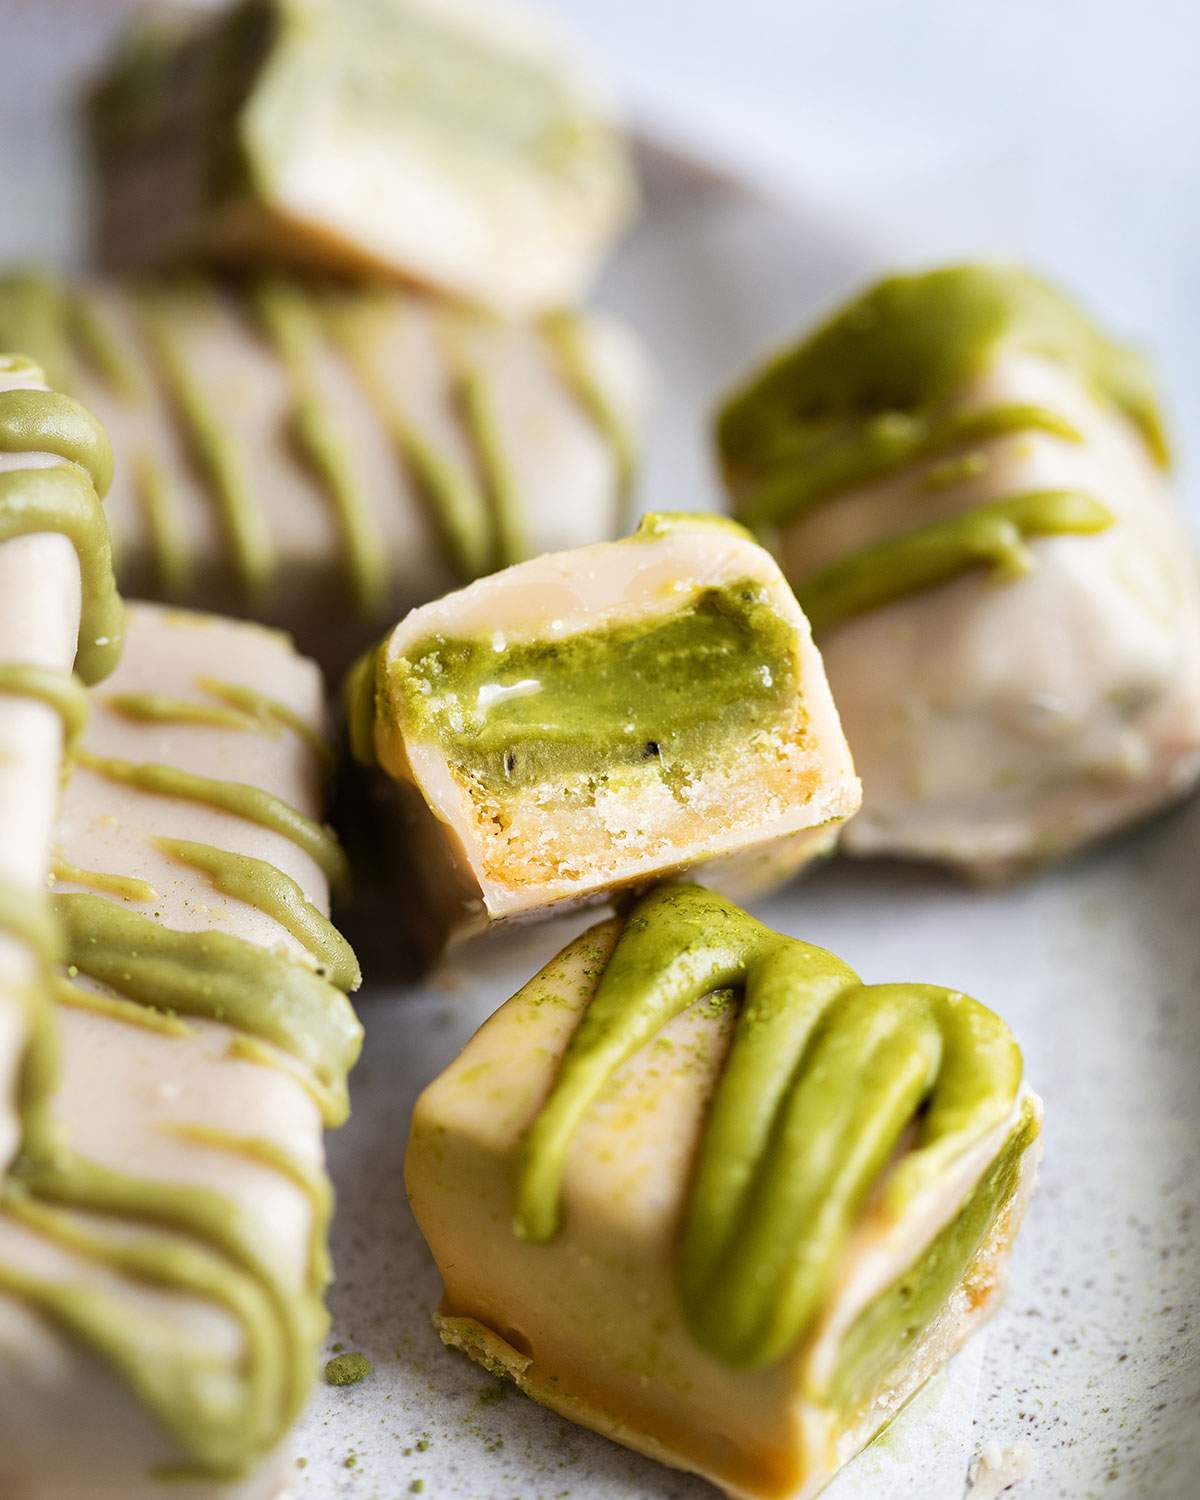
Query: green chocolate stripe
{"type": "Point", "coordinates": [216, 976]}
{"type": "Point", "coordinates": [263, 886]}
{"type": "Point", "coordinates": [33, 421]}
{"type": "Point", "coordinates": [159, 503]}
{"type": "Point", "coordinates": [237, 798]}
{"type": "Point", "coordinates": [218, 458]}
{"type": "Point", "coordinates": [296, 332]}
{"type": "Point", "coordinates": [219, 1422]}
{"type": "Point", "coordinates": [61, 691]}
{"type": "Point", "coordinates": [799, 482]}
{"type": "Point", "coordinates": [993, 535]}
{"type": "Point", "coordinates": [62, 499]}
{"type": "Point", "coordinates": [564, 335]}
{"type": "Point", "coordinates": [510, 542]}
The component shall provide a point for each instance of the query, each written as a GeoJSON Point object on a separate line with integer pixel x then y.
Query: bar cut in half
{"type": "Point", "coordinates": [699, 1188]}
{"type": "Point", "coordinates": [163, 1228]}
{"type": "Point", "coordinates": [969, 485]}
{"type": "Point", "coordinates": [593, 719]}
{"type": "Point", "coordinates": [452, 143]}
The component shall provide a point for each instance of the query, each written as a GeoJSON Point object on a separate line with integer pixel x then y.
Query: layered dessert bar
{"type": "Point", "coordinates": [699, 1188]}
{"type": "Point", "coordinates": [321, 458]}
{"type": "Point", "coordinates": [162, 1229]}
{"type": "Point", "coordinates": [594, 719]}
{"type": "Point", "coordinates": [57, 604]}
{"type": "Point", "coordinates": [969, 487]}
{"type": "Point", "coordinates": [448, 143]}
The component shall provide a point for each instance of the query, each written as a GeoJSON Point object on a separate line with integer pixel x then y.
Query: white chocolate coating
{"type": "Point", "coordinates": [69, 1429]}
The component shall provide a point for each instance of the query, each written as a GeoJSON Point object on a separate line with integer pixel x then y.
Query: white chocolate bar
{"type": "Point", "coordinates": [152, 1087]}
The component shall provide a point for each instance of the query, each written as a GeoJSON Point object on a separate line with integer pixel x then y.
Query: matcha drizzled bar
{"type": "Point", "coordinates": [594, 719]}
{"type": "Point", "coordinates": [447, 143]}
{"type": "Point", "coordinates": [162, 1226]}
{"type": "Point", "coordinates": [969, 486]}
{"type": "Point", "coordinates": [322, 459]}
{"type": "Point", "coordinates": [699, 1188]}
{"type": "Point", "coordinates": [58, 606]}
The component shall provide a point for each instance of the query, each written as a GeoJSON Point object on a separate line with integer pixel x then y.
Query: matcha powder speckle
{"type": "Point", "coordinates": [347, 1369]}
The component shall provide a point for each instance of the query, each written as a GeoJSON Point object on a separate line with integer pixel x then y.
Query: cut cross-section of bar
{"type": "Point", "coordinates": [968, 484]}
{"type": "Point", "coordinates": [595, 719]}
{"type": "Point", "coordinates": [322, 458]}
{"type": "Point", "coordinates": [451, 143]}
{"type": "Point", "coordinates": [162, 1234]}
{"type": "Point", "coordinates": [699, 1188]}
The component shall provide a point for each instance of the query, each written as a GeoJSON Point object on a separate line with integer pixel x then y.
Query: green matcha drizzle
{"type": "Point", "coordinates": [217, 976]}
{"type": "Point", "coordinates": [125, 887]}
{"type": "Point", "coordinates": [899, 352]}
{"type": "Point", "coordinates": [866, 396]}
{"type": "Point", "coordinates": [263, 886]}
{"type": "Point", "coordinates": [452, 500]}
{"type": "Point", "coordinates": [238, 707]}
{"type": "Point", "coordinates": [990, 535]}
{"type": "Point", "coordinates": [103, 347]}
{"type": "Point", "coordinates": [295, 331]}
{"type": "Point", "coordinates": [823, 1077]}
{"type": "Point", "coordinates": [33, 421]}
{"type": "Point", "coordinates": [221, 1422]}
{"type": "Point", "coordinates": [65, 498]}
{"type": "Point", "coordinates": [268, 712]}
{"type": "Point", "coordinates": [311, 1182]}
{"type": "Point", "coordinates": [156, 496]}
{"type": "Point", "coordinates": [218, 458]}
{"type": "Point", "coordinates": [884, 446]}
{"type": "Point", "coordinates": [236, 797]}
{"type": "Point", "coordinates": [510, 542]}
{"type": "Point", "coordinates": [564, 335]}
{"type": "Point", "coordinates": [61, 691]}
{"type": "Point", "coordinates": [39, 314]}
{"type": "Point", "coordinates": [251, 1049]}
{"type": "Point", "coordinates": [162, 708]}
{"type": "Point", "coordinates": [113, 1008]}
{"type": "Point", "coordinates": [33, 318]}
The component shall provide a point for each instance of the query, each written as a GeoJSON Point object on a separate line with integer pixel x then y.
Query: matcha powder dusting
{"type": "Point", "coordinates": [347, 1369]}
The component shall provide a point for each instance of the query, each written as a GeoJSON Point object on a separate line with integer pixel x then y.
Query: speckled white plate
{"type": "Point", "coordinates": [1093, 1361]}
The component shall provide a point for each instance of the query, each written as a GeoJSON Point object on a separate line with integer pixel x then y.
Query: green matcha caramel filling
{"type": "Point", "coordinates": [678, 691]}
